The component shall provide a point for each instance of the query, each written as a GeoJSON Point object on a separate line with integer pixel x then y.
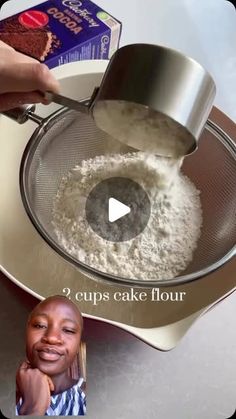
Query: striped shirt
{"type": "Point", "coordinates": [71, 402]}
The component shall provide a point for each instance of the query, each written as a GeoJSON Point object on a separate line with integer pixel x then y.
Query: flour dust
{"type": "Point", "coordinates": [165, 247]}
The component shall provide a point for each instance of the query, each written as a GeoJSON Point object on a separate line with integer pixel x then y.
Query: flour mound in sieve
{"type": "Point", "coordinates": [164, 248]}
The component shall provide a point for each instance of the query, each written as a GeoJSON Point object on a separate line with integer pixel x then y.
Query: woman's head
{"type": "Point", "coordinates": [53, 335]}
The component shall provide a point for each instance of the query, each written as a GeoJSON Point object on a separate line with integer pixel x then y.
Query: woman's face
{"type": "Point", "coordinates": [53, 336]}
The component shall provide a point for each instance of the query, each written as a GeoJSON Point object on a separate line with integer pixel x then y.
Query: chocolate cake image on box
{"type": "Point", "coordinates": [36, 43]}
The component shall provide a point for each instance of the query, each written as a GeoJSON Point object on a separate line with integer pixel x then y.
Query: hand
{"type": "Point", "coordinates": [35, 389]}
{"type": "Point", "coordinates": [22, 79]}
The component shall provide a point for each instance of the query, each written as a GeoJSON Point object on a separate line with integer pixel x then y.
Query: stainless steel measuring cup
{"type": "Point", "coordinates": [152, 98]}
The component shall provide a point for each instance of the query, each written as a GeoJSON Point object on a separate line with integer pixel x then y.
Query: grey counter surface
{"type": "Point", "coordinates": [126, 378]}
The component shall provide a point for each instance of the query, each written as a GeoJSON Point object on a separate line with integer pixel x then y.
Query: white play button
{"type": "Point", "coordinates": [116, 210]}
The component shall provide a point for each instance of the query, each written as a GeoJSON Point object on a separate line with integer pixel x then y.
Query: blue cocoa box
{"type": "Point", "coordinates": [57, 32]}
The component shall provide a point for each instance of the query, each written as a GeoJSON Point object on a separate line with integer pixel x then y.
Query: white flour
{"type": "Point", "coordinates": [163, 249]}
{"type": "Point", "coordinates": [142, 128]}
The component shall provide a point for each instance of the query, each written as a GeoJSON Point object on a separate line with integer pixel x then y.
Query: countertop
{"type": "Point", "coordinates": [126, 378]}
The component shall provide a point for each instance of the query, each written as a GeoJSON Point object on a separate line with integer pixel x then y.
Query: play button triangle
{"type": "Point", "coordinates": [116, 210]}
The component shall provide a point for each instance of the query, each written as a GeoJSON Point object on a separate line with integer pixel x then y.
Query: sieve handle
{"type": "Point", "coordinates": [20, 114]}
{"type": "Point", "coordinates": [67, 102]}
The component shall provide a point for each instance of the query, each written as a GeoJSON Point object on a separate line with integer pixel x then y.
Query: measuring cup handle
{"type": "Point", "coordinates": [20, 114]}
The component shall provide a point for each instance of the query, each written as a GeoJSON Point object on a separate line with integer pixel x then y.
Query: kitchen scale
{"type": "Point", "coordinates": [29, 262]}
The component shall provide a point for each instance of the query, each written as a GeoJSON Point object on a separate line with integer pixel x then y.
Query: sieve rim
{"type": "Point", "coordinates": [90, 271]}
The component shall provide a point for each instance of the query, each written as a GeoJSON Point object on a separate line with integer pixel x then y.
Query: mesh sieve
{"type": "Point", "coordinates": [68, 137]}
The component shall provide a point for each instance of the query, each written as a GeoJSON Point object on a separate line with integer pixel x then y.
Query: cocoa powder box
{"type": "Point", "coordinates": [57, 32]}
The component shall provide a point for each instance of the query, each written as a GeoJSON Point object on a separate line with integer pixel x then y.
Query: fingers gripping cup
{"type": "Point", "coordinates": [151, 98]}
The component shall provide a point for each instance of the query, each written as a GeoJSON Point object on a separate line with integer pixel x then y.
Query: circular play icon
{"type": "Point", "coordinates": [118, 209]}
